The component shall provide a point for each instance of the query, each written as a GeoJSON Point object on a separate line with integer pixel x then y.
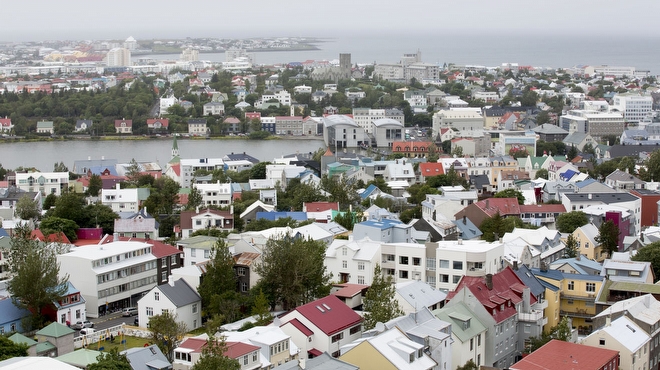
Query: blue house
{"type": "Point", "coordinates": [10, 316]}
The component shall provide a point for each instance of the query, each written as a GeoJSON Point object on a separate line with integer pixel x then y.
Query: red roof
{"type": "Point", "coordinates": [431, 169]}
{"type": "Point", "coordinates": [558, 354]}
{"type": "Point", "coordinates": [505, 206]}
{"type": "Point", "coordinates": [501, 300]}
{"type": "Point", "coordinates": [329, 314]}
{"type": "Point", "coordinates": [548, 208]}
{"type": "Point", "coordinates": [129, 122]}
{"type": "Point", "coordinates": [411, 146]}
{"type": "Point", "coordinates": [163, 121]}
{"type": "Point", "coordinates": [237, 349]}
{"type": "Point", "coordinates": [161, 249]}
{"type": "Point", "coordinates": [320, 206]}
{"type": "Point", "coordinates": [5, 122]}
{"type": "Point", "coordinates": [349, 290]}
{"type": "Point", "coordinates": [301, 327]}
{"type": "Point", "coordinates": [196, 344]}
{"type": "Point", "coordinates": [58, 238]}
{"type": "Point", "coordinates": [315, 352]}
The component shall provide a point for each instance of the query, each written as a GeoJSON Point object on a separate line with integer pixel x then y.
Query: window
{"type": "Point", "coordinates": [403, 260]}
{"type": "Point", "coordinates": [344, 264]}
{"type": "Point", "coordinates": [360, 279]}
{"type": "Point", "coordinates": [337, 337]}
{"type": "Point", "coordinates": [443, 264]}
{"type": "Point", "coordinates": [444, 278]}
{"type": "Point", "coordinates": [403, 274]}
{"type": "Point", "coordinates": [193, 252]}
{"type": "Point", "coordinates": [245, 360]}
{"type": "Point", "coordinates": [207, 253]}
{"type": "Point", "coordinates": [417, 261]}
{"type": "Point", "coordinates": [163, 276]}
{"type": "Point", "coordinates": [150, 311]}
{"type": "Point", "coordinates": [471, 344]}
{"type": "Point", "coordinates": [456, 278]}
{"type": "Point", "coordinates": [194, 308]}
{"type": "Point", "coordinates": [355, 329]}
{"type": "Point", "coordinates": [458, 265]}
{"type": "Point", "coordinates": [156, 296]}
{"type": "Point", "coordinates": [601, 341]}
{"type": "Point", "coordinates": [241, 271]}
{"type": "Point", "coordinates": [254, 356]}
{"type": "Point", "coordinates": [591, 287]}
{"type": "Point", "coordinates": [478, 340]}
{"type": "Point", "coordinates": [344, 252]}
{"type": "Point", "coordinates": [571, 285]}
{"type": "Point", "coordinates": [360, 265]}
{"type": "Point", "coordinates": [163, 262]}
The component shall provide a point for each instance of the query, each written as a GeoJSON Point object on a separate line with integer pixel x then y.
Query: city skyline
{"type": "Point", "coordinates": [75, 19]}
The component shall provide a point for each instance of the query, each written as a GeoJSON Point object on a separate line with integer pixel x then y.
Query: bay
{"type": "Point", "coordinates": [43, 155]}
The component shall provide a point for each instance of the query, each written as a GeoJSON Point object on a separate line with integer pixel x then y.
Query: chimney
{"type": "Point", "coordinates": [231, 209]}
{"type": "Point", "coordinates": [170, 280]}
{"type": "Point", "coordinates": [464, 220]}
{"type": "Point", "coordinates": [515, 265]}
{"type": "Point", "coordinates": [301, 363]}
{"type": "Point", "coordinates": [117, 186]}
{"type": "Point", "coordinates": [526, 300]}
{"type": "Point", "coordinates": [590, 196]}
{"type": "Point", "coordinates": [115, 237]}
{"type": "Point", "coordinates": [197, 209]}
{"type": "Point", "coordinates": [577, 258]}
{"type": "Point", "coordinates": [608, 320]}
{"type": "Point", "coordinates": [487, 204]}
{"type": "Point", "coordinates": [489, 281]}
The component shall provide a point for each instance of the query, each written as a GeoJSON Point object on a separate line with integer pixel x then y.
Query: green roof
{"type": "Point", "coordinates": [80, 358]}
{"type": "Point", "coordinates": [19, 338]}
{"type": "Point", "coordinates": [457, 314]}
{"type": "Point", "coordinates": [627, 286]}
{"type": "Point", "coordinates": [55, 330]}
{"type": "Point", "coordinates": [45, 347]}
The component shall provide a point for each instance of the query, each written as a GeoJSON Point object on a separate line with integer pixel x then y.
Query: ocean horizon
{"type": "Point", "coordinates": [555, 51]}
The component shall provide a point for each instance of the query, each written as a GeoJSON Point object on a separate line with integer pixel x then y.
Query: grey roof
{"type": "Point", "coordinates": [147, 358]}
{"type": "Point", "coordinates": [535, 286]}
{"type": "Point", "coordinates": [607, 198]}
{"type": "Point", "coordinates": [583, 266]}
{"type": "Point", "coordinates": [456, 314]}
{"type": "Point", "coordinates": [467, 228]}
{"type": "Point", "coordinates": [619, 175]}
{"type": "Point", "coordinates": [575, 138]}
{"type": "Point", "coordinates": [547, 129]}
{"type": "Point", "coordinates": [631, 150]}
{"type": "Point", "coordinates": [480, 181]}
{"type": "Point", "coordinates": [421, 324]}
{"type": "Point", "coordinates": [180, 293]}
{"type": "Point", "coordinates": [322, 362]}
{"type": "Point", "coordinates": [419, 294]}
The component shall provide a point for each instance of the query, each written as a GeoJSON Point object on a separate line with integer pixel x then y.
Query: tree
{"type": "Point", "coordinates": [258, 171]}
{"type": "Point", "coordinates": [95, 185]}
{"type": "Point", "coordinates": [649, 253]}
{"type": "Point", "coordinates": [195, 198]}
{"type": "Point", "coordinates": [60, 167]}
{"type": "Point", "coordinates": [9, 349]}
{"type": "Point", "coordinates": [166, 332]}
{"type": "Point", "coordinates": [260, 309]}
{"type": "Point", "coordinates": [569, 221]}
{"type": "Point", "coordinates": [562, 331]}
{"type": "Point", "coordinates": [608, 237]}
{"type": "Point", "coordinates": [495, 227]}
{"type": "Point", "coordinates": [572, 153]}
{"type": "Point", "coordinates": [133, 172]}
{"type": "Point", "coordinates": [380, 304]}
{"type": "Point", "coordinates": [571, 250]}
{"type": "Point", "coordinates": [36, 283]}
{"type": "Point", "coordinates": [511, 193]}
{"type": "Point", "coordinates": [111, 360]}
{"type": "Point", "coordinates": [27, 209]}
{"type": "Point", "coordinates": [49, 202]}
{"type": "Point", "coordinates": [70, 206]}
{"type": "Point", "coordinates": [470, 365]}
{"type": "Point", "coordinates": [164, 196]}
{"type": "Point", "coordinates": [542, 174]}
{"type": "Point", "coordinates": [53, 225]}
{"type": "Point", "coordinates": [219, 278]}
{"type": "Point", "coordinates": [346, 219]}
{"type": "Point", "coordinates": [213, 357]}
{"type": "Point", "coordinates": [292, 271]}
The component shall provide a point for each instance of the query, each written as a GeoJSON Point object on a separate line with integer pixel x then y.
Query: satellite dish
{"type": "Point", "coordinates": [380, 327]}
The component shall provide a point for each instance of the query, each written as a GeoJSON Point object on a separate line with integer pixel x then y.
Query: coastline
{"type": "Point", "coordinates": [150, 138]}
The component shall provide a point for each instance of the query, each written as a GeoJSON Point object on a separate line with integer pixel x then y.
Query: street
{"type": "Point", "coordinates": [109, 321]}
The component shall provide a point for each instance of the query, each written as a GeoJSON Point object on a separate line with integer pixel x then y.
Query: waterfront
{"type": "Point", "coordinates": [43, 155]}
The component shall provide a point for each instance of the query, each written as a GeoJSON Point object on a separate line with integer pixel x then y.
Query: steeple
{"type": "Point", "coordinates": [175, 148]}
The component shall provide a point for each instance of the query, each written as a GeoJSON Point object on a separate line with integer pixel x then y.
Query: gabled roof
{"type": "Point", "coordinates": [180, 293]}
{"type": "Point", "coordinates": [558, 354]}
{"type": "Point", "coordinates": [501, 300]}
{"type": "Point", "coordinates": [419, 294]}
{"type": "Point", "coordinates": [626, 332]}
{"type": "Point", "coordinates": [146, 358]}
{"type": "Point", "coordinates": [237, 349]}
{"type": "Point", "coordinates": [55, 330]}
{"type": "Point", "coordinates": [329, 314]}
{"type": "Point", "coordinates": [457, 314]}
{"type": "Point", "coordinates": [431, 169]}
{"type": "Point", "coordinates": [503, 206]}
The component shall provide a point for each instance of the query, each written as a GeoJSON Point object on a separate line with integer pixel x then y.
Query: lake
{"type": "Point", "coordinates": [43, 155]}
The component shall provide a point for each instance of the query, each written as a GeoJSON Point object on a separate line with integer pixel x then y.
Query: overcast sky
{"type": "Point", "coordinates": [30, 20]}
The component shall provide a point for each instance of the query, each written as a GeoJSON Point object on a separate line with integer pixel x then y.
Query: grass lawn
{"type": "Point", "coordinates": [131, 342]}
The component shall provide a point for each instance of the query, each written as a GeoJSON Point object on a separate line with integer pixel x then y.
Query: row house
{"type": "Point", "coordinates": [43, 182]}
{"type": "Point", "coordinates": [110, 275]}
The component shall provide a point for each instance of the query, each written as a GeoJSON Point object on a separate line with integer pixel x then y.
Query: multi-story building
{"type": "Point", "coordinates": [189, 166]}
{"type": "Point", "coordinates": [110, 275]}
{"type": "Point", "coordinates": [597, 124]}
{"type": "Point", "coordinates": [118, 57]}
{"type": "Point", "coordinates": [365, 116]}
{"type": "Point", "coordinates": [197, 126]}
{"type": "Point", "coordinates": [340, 131]}
{"type": "Point", "coordinates": [385, 132]}
{"type": "Point", "coordinates": [462, 119]}
{"type": "Point", "coordinates": [447, 261]}
{"type": "Point", "coordinates": [632, 203]}
{"type": "Point", "coordinates": [625, 336]}
{"type": "Point", "coordinates": [467, 332]}
{"type": "Point", "coordinates": [121, 200]}
{"type": "Point", "coordinates": [635, 107]}
{"type": "Point", "coordinates": [289, 125]}
{"type": "Point", "coordinates": [43, 182]}
{"type": "Point", "coordinates": [215, 194]}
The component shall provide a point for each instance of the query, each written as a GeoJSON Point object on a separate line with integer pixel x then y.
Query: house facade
{"type": "Point", "coordinates": [176, 297]}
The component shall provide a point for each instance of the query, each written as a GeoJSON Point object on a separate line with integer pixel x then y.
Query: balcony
{"type": "Point", "coordinates": [540, 305]}
{"type": "Point", "coordinates": [590, 297]}
{"type": "Point", "coordinates": [475, 272]}
{"type": "Point", "coordinates": [534, 316]}
{"type": "Point", "coordinates": [582, 313]}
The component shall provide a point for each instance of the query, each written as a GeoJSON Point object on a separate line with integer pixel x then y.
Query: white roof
{"type": "Point", "coordinates": [256, 204]}
{"type": "Point", "coordinates": [364, 249]}
{"type": "Point", "coordinates": [202, 162]}
{"type": "Point", "coordinates": [96, 251]}
{"type": "Point", "coordinates": [419, 294]}
{"type": "Point", "coordinates": [476, 246]}
{"type": "Point", "coordinates": [644, 308]}
{"type": "Point", "coordinates": [28, 363]}
{"type": "Point", "coordinates": [338, 119]}
{"type": "Point", "coordinates": [313, 231]}
{"type": "Point", "coordinates": [394, 345]}
{"type": "Point", "coordinates": [387, 121]}
{"type": "Point", "coordinates": [626, 332]}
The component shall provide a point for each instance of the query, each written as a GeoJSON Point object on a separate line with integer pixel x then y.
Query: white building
{"type": "Point", "coordinates": [594, 123]}
{"type": "Point", "coordinates": [43, 182]}
{"type": "Point", "coordinates": [340, 131]}
{"type": "Point", "coordinates": [462, 119]}
{"type": "Point", "coordinates": [634, 106]}
{"type": "Point", "coordinates": [176, 297]}
{"type": "Point", "coordinates": [353, 261]}
{"type": "Point", "coordinates": [386, 131]}
{"type": "Point", "coordinates": [189, 166]}
{"type": "Point", "coordinates": [121, 200]}
{"type": "Point", "coordinates": [110, 275]}
{"type": "Point", "coordinates": [118, 57]}
{"type": "Point", "coordinates": [453, 259]}
{"type": "Point", "coordinates": [215, 194]}
{"type": "Point", "coordinates": [365, 116]}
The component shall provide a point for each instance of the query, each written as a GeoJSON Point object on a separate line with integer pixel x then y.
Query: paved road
{"type": "Point", "coordinates": [109, 321]}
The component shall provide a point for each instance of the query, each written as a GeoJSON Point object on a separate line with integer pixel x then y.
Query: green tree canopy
{"type": "Point", "coordinates": [95, 185]}
{"type": "Point", "coordinates": [293, 272]}
{"type": "Point", "coordinates": [542, 174]}
{"type": "Point", "coordinates": [380, 304]}
{"type": "Point", "coordinates": [111, 360]}
{"type": "Point", "coordinates": [219, 278]}
{"type": "Point", "coordinates": [214, 358]}
{"type": "Point", "coordinates": [650, 253]}
{"type": "Point", "coordinates": [608, 237]}
{"type": "Point", "coordinates": [495, 227]}
{"type": "Point", "coordinates": [569, 221]}
{"type": "Point", "coordinates": [166, 332]}
{"type": "Point", "coordinates": [55, 225]}
{"type": "Point", "coordinates": [27, 208]}
{"type": "Point", "coordinates": [571, 250]}
{"type": "Point", "coordinates": [511, 193]}
{"type": "Point", "coordinates": [36, 283]}
{"type": "Point", "coordinates": [9, 349]}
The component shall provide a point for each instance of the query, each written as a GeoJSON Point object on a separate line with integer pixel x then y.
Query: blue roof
{"type": "Point", "coordinates": [468, 229]}
{"type": "Point", "coordinates": [382, 224]}
{"type": "Point", "coordinates": [10, 313]}
{"type": "Point", "coordinates": [272, 216]}
{"type": "Point", "coordinates": [581, 184]}
{"type": "Point", "coordinates": [558, 275]}
{"type": "Point", "coordinates": [530, 280]}
{"type": "Point", "coordinates": [568, 175]}
{"type": "Point", "coordinates": [3, 232]}
{"type": "Point", "coordinates": [97, 170]}
{"type": "Point", "coordinates": [367, 192]}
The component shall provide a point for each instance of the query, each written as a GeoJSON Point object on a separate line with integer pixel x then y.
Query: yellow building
{"type": "Point", "coordinates": [585, 236]}
{"type": "Point", "coordinates": [552, 296]}
{"type": "Point", "coordinates": [577, 296]}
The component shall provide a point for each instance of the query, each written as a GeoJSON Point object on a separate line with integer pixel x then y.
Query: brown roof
{"type": "Point", "coordinates": [245, 258]}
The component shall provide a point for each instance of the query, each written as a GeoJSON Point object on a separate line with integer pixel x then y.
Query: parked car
{"type": "Point", "coordinates": [86, 331]}
{"type": "Point", "coordinates": [82, 325]}
{"type": "Point", "coordinates": [129, 311]}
